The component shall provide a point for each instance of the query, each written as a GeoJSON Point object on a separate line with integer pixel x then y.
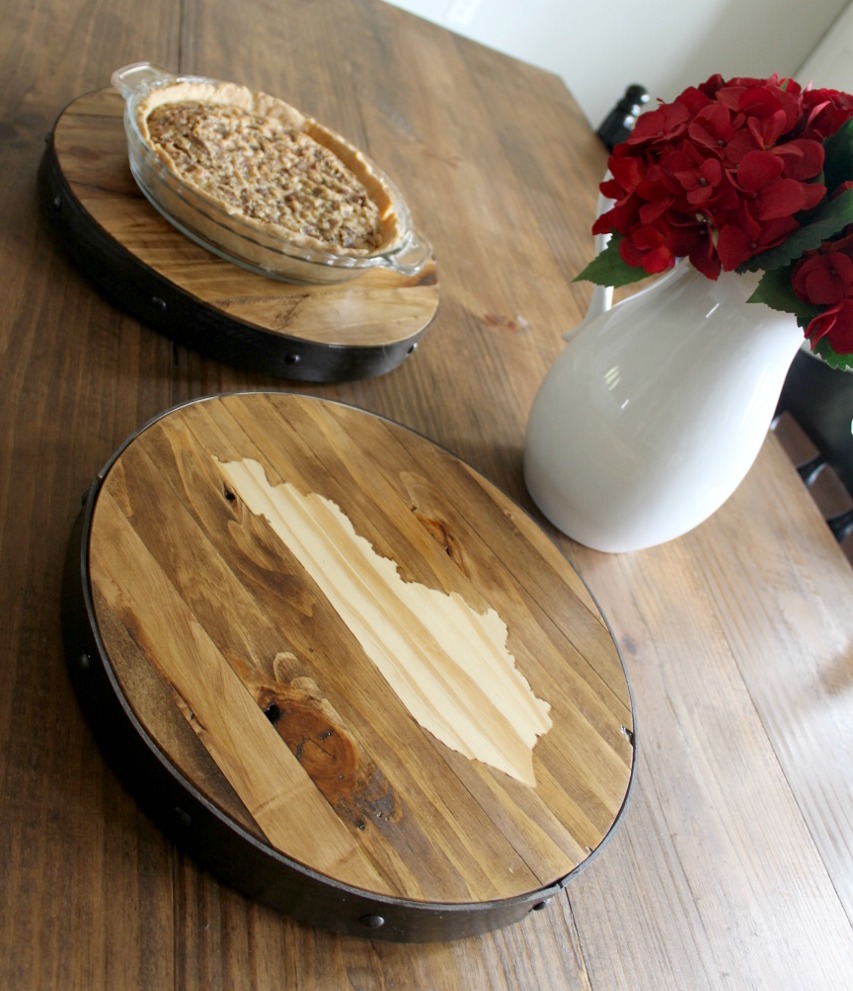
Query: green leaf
{"type": "Point", "coordinates": [609, 268]}
{"type": "Point", "coordinates": [838, 166]}
{"type": "Point", "coordinates": [775, 290]}
{"type": "Point", "coordinates": [830, 219]}
{"type": "Point", "coordinates": [832, 359]}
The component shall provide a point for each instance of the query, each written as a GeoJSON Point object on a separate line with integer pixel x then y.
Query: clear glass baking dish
{"type": "Point", "coordinates": [239, 240]}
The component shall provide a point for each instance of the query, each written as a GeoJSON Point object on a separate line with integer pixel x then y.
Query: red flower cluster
{"type": "Point", "coordinates": [721, 174]}
{"type": "Point", "coordinates": [824, 278]}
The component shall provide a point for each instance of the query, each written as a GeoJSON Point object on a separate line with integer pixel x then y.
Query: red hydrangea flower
{"type": "Point", "coordinates": [826, 110]}
{"type": "Point", "coordinates": [734, 161]}
{"type": "Point", "coordinates": [743, 236]}
{"type": "Point", "coordinates": [825, 278]}
{"type": "Point", "coordinates": [835, 325]}
{"type": "Point", "coordinates": [729, 170]}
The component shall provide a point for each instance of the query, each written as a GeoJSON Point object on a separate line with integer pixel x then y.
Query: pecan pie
{"type": "Point", "coordinates": [271, 167]}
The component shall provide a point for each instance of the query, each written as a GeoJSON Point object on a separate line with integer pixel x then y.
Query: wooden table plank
{"type": "Point", "coordinates": [719, 728]}
{"type": "Point", "coordinates": [804, 700]}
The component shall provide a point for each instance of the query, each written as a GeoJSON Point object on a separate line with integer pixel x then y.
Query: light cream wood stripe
{"type": "Point", "coordinates": [446, 662]}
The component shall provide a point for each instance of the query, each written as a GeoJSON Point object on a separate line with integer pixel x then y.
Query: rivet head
{"type": "Point", "coordinates": [540, 905]}
{"type": "Point", "coordinates": [372, 921]}
{"type": "Point", "coordinates": [182, 817]}
{"type": "Point", "coordinates": [292, 359]}
{"type": "Point", "coordinates": [158, 303]}
{"type": "Point", "coordinates": [85, 662]}
{"type": "Point", "coordinates": [413, 348]}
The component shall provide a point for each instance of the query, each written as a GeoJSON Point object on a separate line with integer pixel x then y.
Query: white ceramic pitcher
{"type": "Point", "coordinates": [655, 411]}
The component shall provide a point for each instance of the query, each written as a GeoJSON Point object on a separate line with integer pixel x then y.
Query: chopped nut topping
{"type": "Point", "coordinates": [261, 168]}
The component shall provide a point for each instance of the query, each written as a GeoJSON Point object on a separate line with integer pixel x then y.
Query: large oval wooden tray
{"type": "Point", "coordinates": [301, 332]}
{"type": "Point", "coordinates": [343, 669]}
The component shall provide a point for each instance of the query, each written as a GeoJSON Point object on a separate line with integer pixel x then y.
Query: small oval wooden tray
{"type": "Point", "coordinates": [346, 671]}
{"type": "Point", "coordinates": [301, 332]}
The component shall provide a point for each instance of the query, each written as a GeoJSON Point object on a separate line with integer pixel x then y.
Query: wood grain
{"type": "Point", "coordinates": [345, 623]}
{"type": "Point", "coordinates": [732, 866]}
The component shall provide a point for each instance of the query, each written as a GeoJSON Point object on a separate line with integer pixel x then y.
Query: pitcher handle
{"type": "Point", "coordinates": [602, 296]}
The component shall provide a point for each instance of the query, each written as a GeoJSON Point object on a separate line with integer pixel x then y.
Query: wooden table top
{"type": "Point", "coordinates": [732, 866]}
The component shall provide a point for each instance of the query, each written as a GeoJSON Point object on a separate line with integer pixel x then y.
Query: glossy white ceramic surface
{"type": "Point", "coordinates": [657, 408]}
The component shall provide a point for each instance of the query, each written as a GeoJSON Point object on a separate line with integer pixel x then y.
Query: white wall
{"type": "Point", "coordinates": [831, 63]}
{"type": "Point", "coordinates": [598, 47]}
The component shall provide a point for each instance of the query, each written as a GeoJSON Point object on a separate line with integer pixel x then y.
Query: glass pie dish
{"type": "Point", "coordinates": [265, 248]}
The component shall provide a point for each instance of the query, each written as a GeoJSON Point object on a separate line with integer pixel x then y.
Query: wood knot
{"type": "Point", "coordinates": [317, 737]}
{"type": "Point", "coordinates": [514, 325]}
{"type": "Point", "coordinates": [441, 532]}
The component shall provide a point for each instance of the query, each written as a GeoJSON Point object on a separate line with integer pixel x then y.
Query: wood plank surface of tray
{"type": "Point", "coordinates": [299, 331]}
{"type": "Point", "coordinates": [358, 657]}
